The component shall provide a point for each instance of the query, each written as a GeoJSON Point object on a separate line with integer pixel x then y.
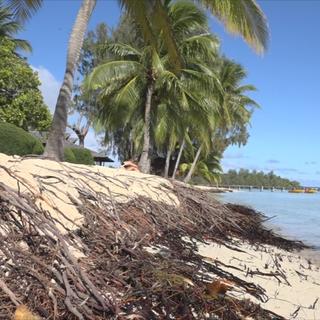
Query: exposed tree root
{"type": "Point", "coordinates": [105, 268]}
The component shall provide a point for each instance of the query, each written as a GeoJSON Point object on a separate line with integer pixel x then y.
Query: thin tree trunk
{"type": "Point", "coordinates": [84, 132]}
{"type": "Point", "coordinates": [55, 143]}
{"type": "Point", "coordinates": [178, 158]}
{"type": "Point", "coordinates": [81, 140]}
{"type": "Point", "coordinates": [145, 163]}
{"type": "Point", "coordinates": [193, 166]}
{"type": "Point", "coordinates": [81, 132]}
{"type": "Point", "coordinates": [166, 168]}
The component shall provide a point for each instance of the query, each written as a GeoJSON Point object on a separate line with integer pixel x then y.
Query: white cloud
{"type": "Point", "coordinates": [50, 86]}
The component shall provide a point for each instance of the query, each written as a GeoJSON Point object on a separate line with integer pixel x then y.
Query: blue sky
{"type": "Point", "coordinates": [284, 133]}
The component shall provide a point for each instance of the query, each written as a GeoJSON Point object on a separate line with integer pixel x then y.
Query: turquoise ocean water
{"type": "Point", "coordinates": [296, 215]}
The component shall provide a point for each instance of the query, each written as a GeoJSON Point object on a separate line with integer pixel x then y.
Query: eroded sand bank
{"type": "Point", "coordinates": [291, 282]}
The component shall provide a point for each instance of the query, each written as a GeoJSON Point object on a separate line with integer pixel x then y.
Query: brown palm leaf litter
{"type": "Point", "coordinates": [134, 260]}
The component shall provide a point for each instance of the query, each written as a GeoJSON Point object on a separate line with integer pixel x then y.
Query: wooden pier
{"type": "Point", "coordinates": [260, 188]}
{"type": "Point", "coordinates": [254, 188]}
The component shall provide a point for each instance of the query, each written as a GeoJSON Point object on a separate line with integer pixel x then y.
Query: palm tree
{"type": "Point", "coordinates": [236, 106]}
{"type": "Point", "coordinates": [149, 73]}
{"type": "Point", "coordinates": [23, 10]}
{"type": "Point", "coordinates": [208, 168]}
{"type": "Point", "coordinates": [168, 127]}
{"type": "Point", "coordinates": [9, 27]}
{"type": "Point", "coordinates": [241, 17]}
{"type": "Point", "coordinates": [55, 143]}
{"type": "Point", "coordinates": [233, 112]}
{"type": "Point", "coordinates": [181, 149]}
{"type": "Point", "coordinates": [201, 138]}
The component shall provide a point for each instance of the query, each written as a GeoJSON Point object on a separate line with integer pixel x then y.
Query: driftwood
{"type": "Point", "coordinates": [116, 277]}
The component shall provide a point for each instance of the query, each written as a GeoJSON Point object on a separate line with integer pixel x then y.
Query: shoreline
{"type": "Point", "coordinates": [280, 227]}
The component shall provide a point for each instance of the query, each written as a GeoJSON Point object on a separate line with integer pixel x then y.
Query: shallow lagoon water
{"type": "Point", "coordinates": [297, 215]}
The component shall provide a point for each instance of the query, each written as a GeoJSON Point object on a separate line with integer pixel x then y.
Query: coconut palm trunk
{"type": "Point", "coordinates": [145, 162]}
{"type": "Point", "coordinates": [193, 166]}
{"type": "Point", "coordinates": [167, 166]}
{"type": "Point", "coordinates": [55, 143]}
{"type": "Point", "coordinates": [176, 166]}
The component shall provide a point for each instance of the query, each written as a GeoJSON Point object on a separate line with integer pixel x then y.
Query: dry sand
{"type": "Point", "coordinates": [293, 293]}
{"type": "Point", "coordinates": [59, 185]}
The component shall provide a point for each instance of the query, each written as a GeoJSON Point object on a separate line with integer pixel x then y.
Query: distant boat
{"type": "Point", "coordinates": [296, 191]}
{"type": "Point", "coordinates": [306, 190]}
{"type": "Point", "coordinates": [310, 190]}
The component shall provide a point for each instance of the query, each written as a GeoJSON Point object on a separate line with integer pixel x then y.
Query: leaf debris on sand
{"type": "Point", "coordinates": [79, 242]}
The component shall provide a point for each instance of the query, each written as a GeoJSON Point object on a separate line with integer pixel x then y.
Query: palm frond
{"type": "Point", "coordinates": [23, 9]}
{"type": "Point", "coordinates": [128, 94]}
{"type": "Point", "coordinates": [8, 27]}
{"type": "Point", "coordinates": [187, 19]}
{"type": "Point", "coordinates": [140, 10]}
{"type": "Point", "coordinates": [124, 50]}
{"type": "Point", "coordinates": [242, 17]}
{"type": "Point", "coordinates": [163, 24]}
{"type": "Point", "coordinates": [22, 45]}
{"type": "Point", "coordinates": [110, 72]}
{"type": "Point", "coordinates": [203, 47]}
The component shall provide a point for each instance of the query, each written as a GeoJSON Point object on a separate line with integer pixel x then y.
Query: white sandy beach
{"type": "Point", "coordinates": [294, 289]}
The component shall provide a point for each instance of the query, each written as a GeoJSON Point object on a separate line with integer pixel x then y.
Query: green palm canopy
{"type": "Point", "coordinates": [10, 27]}
{"type": "Point", "coordinates": [124, 82]}
{"type": "Point", "coordinates": [240, 17]}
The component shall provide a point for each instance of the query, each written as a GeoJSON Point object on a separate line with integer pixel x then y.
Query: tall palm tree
{"type": "Point", "coordinates": [168, 128]}
{"type": "Point", "coordinates": [201, 138]}
{"type": "Point", "coordinates": [23, 10]}
{"type": "Point", "coordinates": [149, 73]}
{"type": "Point", "coordinates": [55, 143]}
{"type": "Point", "coordinates": [236, 105]}
{"type": "Point", "coordinates": [233, 111]}
{"type": "Point", "coordinates": [9, 27]}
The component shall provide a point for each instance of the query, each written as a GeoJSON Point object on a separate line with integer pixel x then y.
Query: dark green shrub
{"type": "Point", "coordinates": [69, 155]}
{"type": "Point", "coordinates": [81, 155]}
{"type": "Point", "coordinates": [16, 141]}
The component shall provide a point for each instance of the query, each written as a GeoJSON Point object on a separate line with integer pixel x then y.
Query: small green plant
{"type": "Point", "coordinates": [69, 155]}
{"type": "Point", "coordinates": [16, 141]}
{"type": "Point", "coordinates": [78, 155]}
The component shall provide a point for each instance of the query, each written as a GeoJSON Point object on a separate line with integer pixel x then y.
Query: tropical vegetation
{"type": "Point", "coordinates": [256, 179]}
{"type": "Point", "coordinates": [55, 143]}
{"type": "Point", "coordinates": [21, 101]}
{"type": "Point", "coordinates": [9, 27]}
{"type": "Point", "coordinates": [78, 155]}
{"type": "Point", "coordinates": [16, 141]}
{"type": "Point", "coordinates": [149, 110]}
{"type": "Point", "coordinates": [158, 88]}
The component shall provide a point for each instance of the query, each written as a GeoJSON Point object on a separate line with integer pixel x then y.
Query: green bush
{"type": "Point", "coordinates": [16, 141]}
{"type": "Point", "coordinates": [80, 155]}
{"type": "Point", "coordinates": [69, 155]}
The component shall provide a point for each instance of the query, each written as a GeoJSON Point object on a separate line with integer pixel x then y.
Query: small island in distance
{"type": "Point", "coordinates": [257, 179]}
